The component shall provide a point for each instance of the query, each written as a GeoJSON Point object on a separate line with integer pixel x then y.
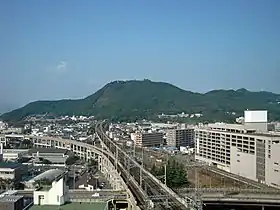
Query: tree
{"type": "Point", "coordinates": [36, 184]}
{"type": "Point", "coordinates": [19, 186]}
{"type": "Point", "coordinates": [176, 176]}
{"type": "Point", "coordinates": [93, 162]}
{"type": "Point", "coordinates": [153, 98]}
{"type": "Point", "coordinates": [46, 161]}
{"type": "Point", "coordinates": [45, 182]}
{"type": "Point", "coordinates": [71, 160]}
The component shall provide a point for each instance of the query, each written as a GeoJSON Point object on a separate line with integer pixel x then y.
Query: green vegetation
{"type": "Point", "coordinates": [132, 100]}
{"type": "Point", "coordinates": [92, 162]}
{"type": "Point", "coordinates": [45, 161]}
{"type": "Point", "coordinates": [6, 184]}
{"type": "Point", "coordinates": [42, 183]}
{"type": "Point", "coordinates": [71, 160]}
{"type": "Point", "coordinates": [176, 176]}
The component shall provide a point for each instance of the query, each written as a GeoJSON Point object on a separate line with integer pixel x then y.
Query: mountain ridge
{"type": "Point", "coordinates": [145, 98]}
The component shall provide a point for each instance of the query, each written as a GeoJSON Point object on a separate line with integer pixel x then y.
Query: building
{"type": "Point", "coordinates": [57, 195]}
{"type": "Point", "coordinates": [180, 137]}
{"type": "Point", "coordinates": [247, 150]}
{"type": "Point", "coordinates": [11, 202]}
{"type": "Point", "coordinates": [55, 157]}
{"type": "Point", "coordinates": [14, 140]}
{"type": "Point", "coordinates": [14, 154]}
{"type": "Point", "coordinates": [148, 139]}
{"type": "Point", "coordinates": [11, 170]}
{"type": "Point", "coordinates": [50, 175]}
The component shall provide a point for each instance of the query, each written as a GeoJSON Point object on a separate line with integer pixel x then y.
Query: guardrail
{"type": "Point", "coordinates": [228, 190]}
{"type": "Point", "coordinates": [238, 178]}
{"type": "Point", "coordinates": [241, 198]}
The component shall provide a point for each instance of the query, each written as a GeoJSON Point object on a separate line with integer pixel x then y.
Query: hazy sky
{"type": "Point", "coordinates": [68, 49]}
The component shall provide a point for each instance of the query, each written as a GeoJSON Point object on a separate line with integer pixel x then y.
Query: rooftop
{"type": "Point", "coordinates": [49, 174]}
{"type": "Point", "coordinates": [230, 126]}
{"type": "Point", "coordinates": [11, 165]}
{"type": "Point", "coordinates": [47, 150]}
{"type": "Point", "coordinates": [10, 198]}
{"type": "Point", "coordinates": [72, 206]}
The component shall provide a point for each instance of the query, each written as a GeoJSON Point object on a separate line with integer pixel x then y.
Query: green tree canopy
{"type": "Point", "coordinates": [71, 160]}
{"type": "Point", "coordinates": [176, 176]}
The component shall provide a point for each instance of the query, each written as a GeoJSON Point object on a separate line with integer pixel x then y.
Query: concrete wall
{"type": "Point", "coordinates": [243, 164]}
{"type": "Point", "coordinates": [273, 166]}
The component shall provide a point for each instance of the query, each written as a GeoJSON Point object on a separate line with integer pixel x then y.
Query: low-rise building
{"type": "Point", "coordinates": [11, 202]}
{"type": "Point", "coordinates": [11, 170]}
{"type": "Point", "coordinates": [14, 154]}
{"type": "Point", "coordinates": [54, 157]}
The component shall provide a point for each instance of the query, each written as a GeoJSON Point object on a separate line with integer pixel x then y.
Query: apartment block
{"type": "Point", "coordinates": [242, 150]}
{"type": "Point", "coordinates": [148, 139]}
{"type": "Point", "coordinates": [180, 137]}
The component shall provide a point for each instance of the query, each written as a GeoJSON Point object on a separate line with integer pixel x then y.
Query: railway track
{"type": "Point", "coordinates": [154, 195]}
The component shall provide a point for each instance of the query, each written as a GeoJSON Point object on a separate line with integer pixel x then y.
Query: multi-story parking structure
{"type": "Point", "coordinates": [242, 150]}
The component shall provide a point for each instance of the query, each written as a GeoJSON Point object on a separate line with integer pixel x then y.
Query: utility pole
{"type": "Point", "coordinates": [141, 168]}
{"type": "Point", "coordinates": [116, 160]}
{"type": "Point", "coordinates": [74, 177]}
{"type": "Point", "coordinates": [165, 177]}
{"type": "Point", "coordinates": [134, 148]}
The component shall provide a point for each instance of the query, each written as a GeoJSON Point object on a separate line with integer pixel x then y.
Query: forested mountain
{"type": "Point", "coordinates": [144, 99]}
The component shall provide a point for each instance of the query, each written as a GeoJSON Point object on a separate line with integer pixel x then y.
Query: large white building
{"type": "Point", "coordinates": [247, 150]}
{"type": "Point", "coordinates": [57, 195]}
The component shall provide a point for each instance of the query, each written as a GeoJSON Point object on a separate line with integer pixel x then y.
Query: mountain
{"type": "Point", "coordinates": [143, 99]}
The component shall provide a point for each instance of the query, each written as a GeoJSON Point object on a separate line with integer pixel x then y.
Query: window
{"type": "Point", "coordinates": [58, 198]}
{"type": "Point", "coordinates": [275, 170]}
{"type": "Point", "coordinates": [238, 161]}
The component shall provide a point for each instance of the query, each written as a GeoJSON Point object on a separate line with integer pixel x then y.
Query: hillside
{"type": "Point", "coordinates": [138, 99]}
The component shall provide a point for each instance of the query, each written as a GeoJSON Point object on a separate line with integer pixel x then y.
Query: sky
{"type": "Point", "coordinates": [69, 49]}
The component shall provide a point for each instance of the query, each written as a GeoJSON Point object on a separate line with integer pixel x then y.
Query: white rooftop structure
{"type": "Point", "coordinates": [255, 116]}
{"type": "Point", "coordinates": [49, 174]}
{"type": "Point", "coordinates": [229, 126]}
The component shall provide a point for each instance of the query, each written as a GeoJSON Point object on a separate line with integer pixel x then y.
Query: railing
{"type": "Point", "coordinates": [229, 190]}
